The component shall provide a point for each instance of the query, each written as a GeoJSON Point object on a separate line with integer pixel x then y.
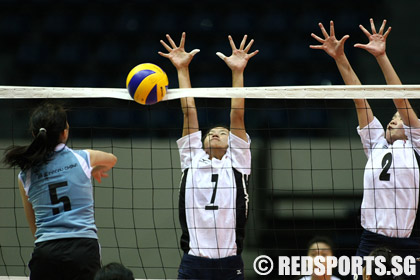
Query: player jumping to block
{"type": "Point", "coordinates": [391, 179]}
{"type": "Point", "coordinates": [213, 201]}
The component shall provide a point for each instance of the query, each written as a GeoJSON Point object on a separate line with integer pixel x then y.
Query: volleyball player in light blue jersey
{"type": "Point", "coordinates": [56, 189]}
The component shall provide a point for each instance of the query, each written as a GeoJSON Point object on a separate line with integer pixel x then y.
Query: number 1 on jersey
{"type": "Point", "coordinates": [211, 206]}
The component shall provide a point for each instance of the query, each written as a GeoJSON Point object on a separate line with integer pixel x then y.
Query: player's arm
{"type": "Point", "coordinates": [27, 207]}
{"type": "Point", "coordinates": [335, 48]}
{"type": "Point", "coordinates": [237, 63]}
{"type": "Point", "coordinates": [101, 163]}
{"type": "Point", "coordinates": [181, 60]}
{"type": "Point", "coordinates": [377, 47]}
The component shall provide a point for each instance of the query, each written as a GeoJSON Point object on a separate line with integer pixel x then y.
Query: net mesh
{"type": "Point", "coordinates": [306, 180]}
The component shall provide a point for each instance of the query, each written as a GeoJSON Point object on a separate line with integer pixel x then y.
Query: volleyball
{"type": "Point", "coordinates": [147, 83]}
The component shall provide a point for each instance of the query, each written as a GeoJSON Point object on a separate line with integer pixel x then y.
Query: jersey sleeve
{"type": "Point", "coordinates": [240, 153]}
{"type": "Point", "coordinates": [189, 146]}
{"type": "Point", "coordinates": [413, 135]}
{"type": "Point", "coordinates": [83, 157]}
{"type": "Point", "coordinates": [22, 177]}
{"type": "Point", "coordinates": [372, 135]}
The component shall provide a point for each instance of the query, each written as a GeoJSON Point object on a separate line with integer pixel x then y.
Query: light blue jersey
{"type": "Point", "coordinates": [61, 195]}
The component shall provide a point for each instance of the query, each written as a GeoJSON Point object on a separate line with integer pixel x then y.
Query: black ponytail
{"type": "Point", "coordinates": [47, 122]}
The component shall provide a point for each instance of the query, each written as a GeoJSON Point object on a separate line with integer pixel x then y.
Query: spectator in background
{"type": "Point", "coordinates": [320, 246]}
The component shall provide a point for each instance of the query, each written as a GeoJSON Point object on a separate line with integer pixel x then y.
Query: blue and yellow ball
{"type": "Point", "coordinates": [147, 83]}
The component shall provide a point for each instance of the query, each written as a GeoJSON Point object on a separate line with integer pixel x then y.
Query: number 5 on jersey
{"type": "Point", "coordinates": [56, 200]}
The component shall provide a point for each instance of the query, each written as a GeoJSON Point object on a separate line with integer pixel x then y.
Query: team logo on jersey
{"type": "Point", "coordinates": [205, 160]}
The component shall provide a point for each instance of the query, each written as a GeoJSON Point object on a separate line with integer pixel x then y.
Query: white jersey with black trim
{"type": "Point", "coordinates": [213, 201]}
{"type": "Point", "coordinates": [391, 181]}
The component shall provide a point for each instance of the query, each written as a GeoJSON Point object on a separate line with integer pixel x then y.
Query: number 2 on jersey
{"type": "Point", "coordinates": [211, 206]}
{"type": "Point", "coordinates": [55, 199]}
{"type": "Point", "coordinates": [386, 164]}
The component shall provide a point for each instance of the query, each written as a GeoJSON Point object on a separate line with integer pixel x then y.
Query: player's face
{"type": "Point", "coordinates": [320, 249]}
{"type": "Point", "coordinates": [217, 138]}
{"type": "Point", "coordinates": [395, 129]}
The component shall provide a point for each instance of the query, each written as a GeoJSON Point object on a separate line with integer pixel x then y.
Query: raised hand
{"type": "Point", "coordinates": [99, 172]}
{"type": "Point", "coordinates": [330, 44]}
{"type": "Point", "coordinates": [377, 41]}
{"type": "Point", "coordinates": [177, 54]}
{"type": "Point", "coordinates": [238, 60]}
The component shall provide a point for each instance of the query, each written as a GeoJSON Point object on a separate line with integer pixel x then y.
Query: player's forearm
{"type": "Point", "coordinates": [237, 104]}
{"type": "Point", "coordinates": [390, 75]}
{"type": "Point", "coordinates": [407, 113]}
{"type": "Point", "coordinates": [184, 77]}
{"type": "Point", "coordinates": [346, 71]}
{"type": "Point", "coordinates": [364, 112]}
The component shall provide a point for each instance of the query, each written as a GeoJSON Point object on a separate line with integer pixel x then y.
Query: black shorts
{"type": "Point", "coordinates": [193, 267]}
{"type": "Point", "coordinates": [65, 259]}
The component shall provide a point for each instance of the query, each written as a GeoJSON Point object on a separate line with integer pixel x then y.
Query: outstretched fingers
{"type": "Point", "coordinates": [332, 31]}
{"type": "Point", "coordinates": [232, 44]}
{"type": "Point", "coordinates": [168, 48]}
{"type": "Point", "coordinates": [250, 55]}
{"type": "Point", "coordinates": [248, 47]}
{"type": "Point", "coordinates": [319, 39]}
{"type": "Point", "coordinates": [324, 32]}
{"type": "Point", "coordinates": [171, 42]}
{"type": "Point", "coordinates": [222, 56]}
{"type": "Point", "coordinates": [387, 32]}
{"type": "Point", "coordinates": [241, 47]}
{"type": "Point", "coordinates": [364, 30]}
{"type": "Point", "coordinates": [381, 30]}
{"type": "Point", "coordinates": [372, 26]}
{"type": "Point", "coordinates": [194, 52]}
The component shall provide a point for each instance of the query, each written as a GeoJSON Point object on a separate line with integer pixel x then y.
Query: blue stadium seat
{"type": "Point", "coordinates": [71, 53]}
{"type": "Point", "coordinates": [110, 52]}
{"type": "Point", "coordinates": [131, 21]}
{"type": "Point", "coordinates": [32, 51]}
{"type": "Point", "coordinates": [274, 22]}
{"type": "Point", "coordinates": [202, 21]}
{"type": "Point", "coordinates": [14, 24]}
{"type": "Point", "coordinates": [240, 22]}
{"type": "Point", "coordinates": [165, 22]}
{"type": "Point", "coordinates": [94, 23]}
{"type": "Point", "coordinates": [58, 23]}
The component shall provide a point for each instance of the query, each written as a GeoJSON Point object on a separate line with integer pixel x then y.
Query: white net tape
{"type": "Point", "coordinates": [284, 92]}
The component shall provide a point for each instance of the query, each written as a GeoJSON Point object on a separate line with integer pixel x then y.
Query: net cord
{"type": "Point", "coordinates": [281, 92]}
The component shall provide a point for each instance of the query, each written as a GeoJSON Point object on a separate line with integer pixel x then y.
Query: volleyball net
{"type": "Point", "coordinates": [306, 179]}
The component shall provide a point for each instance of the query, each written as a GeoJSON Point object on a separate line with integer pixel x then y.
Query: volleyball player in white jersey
{"type": "Point", "coordinates": [213, 201]}
{"type": "Point", "coordinates": [56, 189]}
{"type": "Point", "coordinates": [391, 179]}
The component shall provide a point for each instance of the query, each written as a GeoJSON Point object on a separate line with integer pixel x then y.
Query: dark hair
{"type": "Point", "coordinates": [114, 271]}
{"type": "Point", "coordinates": [321, 239]}
{"type": "Point", "coordinates": [385, 252]}
{"type": "Point", "coordinates": [212, 127]}
{"type": "Point", "coordinates": [46, 124]}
